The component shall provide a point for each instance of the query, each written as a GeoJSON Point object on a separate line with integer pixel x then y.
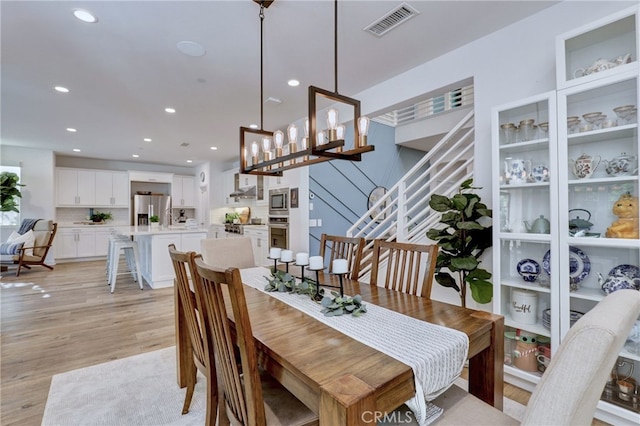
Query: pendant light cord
{"type": "Point", "coordinates": [261, 66]}
{"type": "Point", "coordinates": [335, 43]}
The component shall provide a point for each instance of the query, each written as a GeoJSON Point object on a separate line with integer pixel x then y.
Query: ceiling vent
{"type": "Point", "coordinates": [184, 144]}
{"type": "Point", "coordinates": [395, 17]}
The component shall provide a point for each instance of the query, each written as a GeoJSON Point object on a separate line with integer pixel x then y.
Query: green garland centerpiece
{"type": "Point", "coordinates": [284, 282]}
{"type": "Point", "coordinates": [341, 305]}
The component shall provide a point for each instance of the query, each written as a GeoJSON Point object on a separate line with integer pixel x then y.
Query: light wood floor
{"type": "Point", "coordinates": [61, 320]}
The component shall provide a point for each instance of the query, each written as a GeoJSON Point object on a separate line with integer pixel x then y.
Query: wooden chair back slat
{"type": "Point", "coordinates": [404, 261]}
{"type": "Point", "coordinates": [243, 396]}
{"type": "Point", "coordinates": [343, 248]}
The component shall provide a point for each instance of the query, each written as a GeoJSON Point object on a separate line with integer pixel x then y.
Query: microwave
{"type": "Point", "coordinates": [279, 202]}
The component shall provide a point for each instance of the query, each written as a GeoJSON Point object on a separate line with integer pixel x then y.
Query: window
{"type": "Point", "coordinates": [10, 218]}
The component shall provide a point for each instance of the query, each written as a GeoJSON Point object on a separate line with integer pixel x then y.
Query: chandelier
{"type": "Point", "coordinates": [316, 146]}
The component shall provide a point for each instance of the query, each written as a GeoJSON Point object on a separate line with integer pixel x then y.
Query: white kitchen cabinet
{"type": "Point", "coordinates": [183, 191]}
{"type": "Point", "coordinates": [217, 231]}
{"type": "Point", "coordinates": [567, 264]}
{"type": "Point", "coordinates": [102, 241]}
{"type": "Point", "coordinates": [229, 186]}
{"type": "Point", "coordinates": [111, 189]}
{"type": "Point", "coordinates": [75, 243]}
{"type": "Point", "coordinates": [259, 243]}
{"type": "Point", "coordinates": [75, 187]}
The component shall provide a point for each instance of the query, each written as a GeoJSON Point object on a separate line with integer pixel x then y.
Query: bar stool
{"type": "Point", "coordinates": [121, 244]}
{"type": "Point", "coordinates": [114, 236]}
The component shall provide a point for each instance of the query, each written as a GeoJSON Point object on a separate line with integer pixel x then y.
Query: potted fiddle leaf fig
{"type": "Point", "coordinates": [9, 192]}
{"type": "Point", "coordinates": [463, 234]}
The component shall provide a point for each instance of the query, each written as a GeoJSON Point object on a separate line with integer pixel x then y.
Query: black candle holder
{"type": "Point", "coordinates": [341, 286]}
{"type": "Point", "coordinates": [317, 295]}
{"type": "Point", "coordinates": [275, 264]}
{"type": "Point", "coordinates": [286, 263]}
{"type": "Point", "coordinates": [301, 270]}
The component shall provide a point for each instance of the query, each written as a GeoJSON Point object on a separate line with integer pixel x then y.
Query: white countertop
{"type": "Point", "coordinates": [136, 230]}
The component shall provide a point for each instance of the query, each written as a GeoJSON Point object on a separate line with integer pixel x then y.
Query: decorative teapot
{"type": "Point", "coordinates": [540, 226]}
{"type": "Point", "coordinates": [622, 165]}
{"type": "Point", "coordinates": [618, 281]}
{"type": "Point", "coordinates": [585, 165]}
{"type": "Point", "coordinates": [602, 65]}
{"type": "Point", "coordinates": [577, 224]}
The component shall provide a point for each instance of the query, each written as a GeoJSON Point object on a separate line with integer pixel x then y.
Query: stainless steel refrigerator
{"type": "Point", "coordinates": [145, 206]}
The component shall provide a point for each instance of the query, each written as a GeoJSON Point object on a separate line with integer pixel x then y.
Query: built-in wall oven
{"type": "Point", "coordinates": [279, 218]}
{"type": "Point", "coordinates": [279, 232]}
{"type": "Point", "coordinates": [279, 202]}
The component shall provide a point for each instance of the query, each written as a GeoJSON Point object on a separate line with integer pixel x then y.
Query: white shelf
{"type": "Point", "coordinates": [524, 185]}
{"type": "Point", "coordinates": [604, 242]}
{"type": "Point", "coordinates": [588, 293]}
{"type": "Point", "coordinates": [525, 237]}
{"type": "Point", "coordinates": [606, 180]}
{"type": "Point", "coordinates": [524, 285]}
{"type": "Point", "coordinates": [527, 146]}
{"type": "Point", "coordinates": [537, 328]}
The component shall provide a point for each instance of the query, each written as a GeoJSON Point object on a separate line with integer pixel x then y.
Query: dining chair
{"type": "Point", "coordinates": [401, 264]}
{"type": "Point", "coordinates": [251, 398]}
{"type": "Point", "coordinates": [184, 267]}
{"type": "Point", "coordinates": [234, 252]}
{"type": "Point", "coordinates": [349, 248]}
{"type": "Point", "coordinates": [571, 386]}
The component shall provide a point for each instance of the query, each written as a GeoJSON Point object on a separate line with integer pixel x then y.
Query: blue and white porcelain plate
{"type": "Point", "coordinates": [528, 266]}
{"type": "Point", "coordinates": [579, 264]}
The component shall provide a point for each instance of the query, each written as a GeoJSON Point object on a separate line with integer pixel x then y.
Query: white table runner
{"type": "Point", "coordinates": [436, 354]}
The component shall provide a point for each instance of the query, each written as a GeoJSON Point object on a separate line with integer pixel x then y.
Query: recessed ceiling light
{"type": "Point", "coordinates": [76, 150]}
{"type": "Point", "coordinates": [71, 129]}
{"type": "Point", "coordinates": [135, 156]}
{"type": "Point", "coordinates": [214, 148]}
{"type": "Point", "coordinates": [189, 161]}
{"type": "Point", "coordinates": [61, 89]}
{"type": "Point", "coordinates": [293, 83]}
{"type": "Point", "coordinates": [147, 139]}
{"type": "Point", "coordinates": [85, 16]}
{"type": "Point", "coordinates": [170, 110]}
{"type": "Point", "coordinates": [253, 126]}
{"type": "Point", "coordinates": [191, 48]}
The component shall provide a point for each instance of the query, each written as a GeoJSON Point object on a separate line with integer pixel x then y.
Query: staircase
{"type": "Point", "coordinates": [403, 213]}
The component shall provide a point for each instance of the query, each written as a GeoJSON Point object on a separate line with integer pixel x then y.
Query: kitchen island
{"type": "Point", "coordinates": [155, 263]}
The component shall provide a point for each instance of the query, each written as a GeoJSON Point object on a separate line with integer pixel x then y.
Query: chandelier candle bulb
{"type": "Point", "coordinates": [275, 253]}
{"type": "Point", "coordinates": [302, 259]}
{"type": "Point", "coordinates": [340, 266]}
{"type": "Point", "coordinates": [332, 124]}
{"type": "Point", "coordinates": [316, 262]}
{"type": "Point", "coordinates": [286, 256]}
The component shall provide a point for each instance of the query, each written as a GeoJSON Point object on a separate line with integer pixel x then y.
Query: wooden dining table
{"type": "Point", "coordinates": [341, 379]}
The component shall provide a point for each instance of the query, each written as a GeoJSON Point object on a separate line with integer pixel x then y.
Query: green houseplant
{"type": "Point", "coordinates": [101, 216]}
{"type": "Point", "coordinates": [154, 219]}
{"type": "Point", "coordinates": [463, 238]}
{"type": "Point", "coordinates": [9, 192]}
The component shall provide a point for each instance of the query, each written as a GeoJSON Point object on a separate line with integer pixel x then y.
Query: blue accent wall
{"type": "Point", "coordinates": [341, 188]}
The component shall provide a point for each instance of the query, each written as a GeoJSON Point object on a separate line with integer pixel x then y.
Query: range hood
{"type": "Point", "coordinates": [246, 192]}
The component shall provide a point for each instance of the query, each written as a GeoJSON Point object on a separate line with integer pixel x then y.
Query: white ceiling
{"type": "Point", "coordinates": [124, 70]}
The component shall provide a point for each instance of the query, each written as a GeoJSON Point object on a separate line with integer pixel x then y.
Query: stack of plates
{"type": "Point", "coordinates": [546, 317]}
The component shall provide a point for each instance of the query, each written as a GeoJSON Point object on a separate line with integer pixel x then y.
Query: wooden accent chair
{"type": "Point", "coordinates": [183, 264]}
{"type": "Point", "coordinates": [570, 388]}
{"type": "Point", "coordinates": [249, 399]}
{"type": "Point", "coordinates": [44, 231]}
{"type": "Point", "coordinates": [403, 266]}
{"type": "Point", "coordinates": [343, 248]}
{"type": "Point", "coordinates": [222, 253]}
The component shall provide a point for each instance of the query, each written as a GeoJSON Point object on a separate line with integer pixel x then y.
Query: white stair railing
{"type": "Point", "coordinates": [403, 213]}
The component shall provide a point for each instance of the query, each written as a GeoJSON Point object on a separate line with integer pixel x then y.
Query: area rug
{"type": "Point", "coordinates": [139, 390]}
